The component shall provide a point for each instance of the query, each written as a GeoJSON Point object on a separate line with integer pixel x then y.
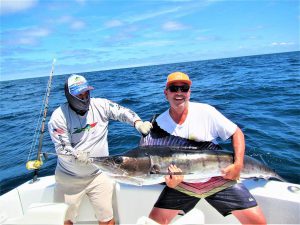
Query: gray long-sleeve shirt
{"type": "Point", "coordinates": [71, 133]}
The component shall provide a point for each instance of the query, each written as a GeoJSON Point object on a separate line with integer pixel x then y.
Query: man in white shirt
{"type": "Point", "coordinates": [202, 122]}
{"type": "Point", "coordinates": [78, 129]}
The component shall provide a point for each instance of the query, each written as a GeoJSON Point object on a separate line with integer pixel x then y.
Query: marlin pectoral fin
{"type": "Point", "coordinates": [155, 169]}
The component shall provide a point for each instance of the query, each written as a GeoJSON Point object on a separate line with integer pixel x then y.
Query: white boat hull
{"type": "Point", "coordinates": [32, 203]}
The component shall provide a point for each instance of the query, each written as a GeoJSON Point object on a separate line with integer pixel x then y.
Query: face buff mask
{"type": "Point", "coordinates": [78, 105]}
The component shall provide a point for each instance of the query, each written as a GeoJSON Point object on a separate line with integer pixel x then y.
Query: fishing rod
{"type": "Point", "coordinates": [36, 164]}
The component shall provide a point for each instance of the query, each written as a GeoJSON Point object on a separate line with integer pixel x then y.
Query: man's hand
{"type": "Point", "coordinates": [82, 157]}
{"type": "Point", "coordinates": [173, 180]}
{"type": "Point", "coordinates": [143, 127]}
{"type": "Point", "coordinates": [232, 172]}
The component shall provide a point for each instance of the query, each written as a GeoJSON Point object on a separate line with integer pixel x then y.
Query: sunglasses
{"type": "Point", "coordinates": [184, 88]}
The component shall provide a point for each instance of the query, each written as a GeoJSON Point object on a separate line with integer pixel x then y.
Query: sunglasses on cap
{"type": "Point", "coordinates": [183, 88]}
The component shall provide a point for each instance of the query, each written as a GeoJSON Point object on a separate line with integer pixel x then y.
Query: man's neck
{"type": "Point", "coordinates": [179, 114]}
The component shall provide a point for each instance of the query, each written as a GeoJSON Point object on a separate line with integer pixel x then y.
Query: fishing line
{"type": "Point", "coordinates": [36, 164]}
{"type": "Point", "coordinates": [39, 121]}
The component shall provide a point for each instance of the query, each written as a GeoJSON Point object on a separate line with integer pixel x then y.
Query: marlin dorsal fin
{"type": "Point", "coordinates": [159, 137]}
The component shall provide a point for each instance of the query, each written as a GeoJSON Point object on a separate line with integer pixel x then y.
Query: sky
{"type": "Point", "coordinates": [95, 35]}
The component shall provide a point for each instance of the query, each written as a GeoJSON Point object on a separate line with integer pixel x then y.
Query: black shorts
{"type": "Point", "coordinates": [236, 197]}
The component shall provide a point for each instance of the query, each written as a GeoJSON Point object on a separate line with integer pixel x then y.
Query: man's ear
{"type": "Point", "coordinates": [166, 93]}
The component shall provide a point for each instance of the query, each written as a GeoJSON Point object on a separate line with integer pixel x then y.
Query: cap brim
{"type": "Point", "coordinates": [183, 81]}
{"type": "Point", "coordinates": [88, 88]}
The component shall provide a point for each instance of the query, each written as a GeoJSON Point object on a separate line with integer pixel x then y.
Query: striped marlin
{"type": "Point", "coordinates": [148, 163]}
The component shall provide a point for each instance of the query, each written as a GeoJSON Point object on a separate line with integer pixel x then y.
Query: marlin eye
{"type": "Point", "coordinates": [118, 160]}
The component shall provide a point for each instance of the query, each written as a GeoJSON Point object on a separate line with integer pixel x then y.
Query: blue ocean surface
{"type": "Point", "coordinates": [260, 93]}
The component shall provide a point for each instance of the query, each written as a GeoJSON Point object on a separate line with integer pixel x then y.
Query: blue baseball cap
{"type": "Point", "coordinates": [77, 84]}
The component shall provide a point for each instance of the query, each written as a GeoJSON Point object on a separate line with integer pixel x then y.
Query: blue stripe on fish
{"type": "Point", "coordinates": [159, 137]}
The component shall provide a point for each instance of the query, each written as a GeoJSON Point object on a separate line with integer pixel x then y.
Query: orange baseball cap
{"type": "Point", "coordinates": [178, 77]}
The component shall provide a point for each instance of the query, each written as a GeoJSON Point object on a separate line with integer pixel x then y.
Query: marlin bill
{"type": "Point", "coordinates": [148, 164]}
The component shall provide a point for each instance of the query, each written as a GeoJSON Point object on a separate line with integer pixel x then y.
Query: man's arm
{"type": "Point", "coordinates": [232, 172]}
{"type": "Point", "coordinates": [123, 114]}
{"type": "Point", "coordinates": [59, 134]}
{"type": "Point", "coordinates": [60, 137]}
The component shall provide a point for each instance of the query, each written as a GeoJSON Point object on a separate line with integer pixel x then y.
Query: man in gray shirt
{"type": "Point", "coordinates": [79, 129]}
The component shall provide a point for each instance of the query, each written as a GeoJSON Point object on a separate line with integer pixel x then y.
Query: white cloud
{"type": "Point", "coordinates": [150, 15]}
{"type": "Point", "coordinates": [282, 43]}
{"type": "Point", "coordinates": [252, 37]}
{"type": "Point", "coordinates": [72, 22]}
{"type": "Point", "coordinates": [113, 23]}
{"type": "Point", "coordinates": [173, 26]}
{"type": "Point", "coordinates": [28, 36]}
{"type": "Point", "coordinates": [208, 38]}
{"type": "Point", "coordinates": [157, 43]}
{"type": "Point", "coordinates": [38, 32]}
{"type": "Point", "coordinates": [64, 19]}
{"type": "Point", "coordinates": [82, 2]}
{"type": "Point", "coordinates": [77, 25]}
{"type": "Point", "coordinates": [14, 6]}
{"type": "Point", "coordinates": [255, 28]}
{"type": "Point", "coordinates": [26, 41]}
{"type": "Point", "coordinates": [175, 12]}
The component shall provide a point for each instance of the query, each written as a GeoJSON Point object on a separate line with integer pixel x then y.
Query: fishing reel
{"type": "Point", "coordinates": [37, 164]}
{"type": "Point", "coordinates": [34, 164]}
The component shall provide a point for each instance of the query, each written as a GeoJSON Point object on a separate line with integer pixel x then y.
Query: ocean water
{"type": "Point", "coordinates": [259, 93]}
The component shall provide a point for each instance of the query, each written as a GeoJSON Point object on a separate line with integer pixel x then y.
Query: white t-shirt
{"type": "Point", "coordinates": [71, 132]}
{"type": "Point", "coordinates": [203, 123]}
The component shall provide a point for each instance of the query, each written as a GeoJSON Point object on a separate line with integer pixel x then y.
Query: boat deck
{"type": "Point", "coordinates": [32, 203]}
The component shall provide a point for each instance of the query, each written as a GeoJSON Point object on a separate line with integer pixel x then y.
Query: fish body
{"type": "Point", "coordinates": [148, 165]}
